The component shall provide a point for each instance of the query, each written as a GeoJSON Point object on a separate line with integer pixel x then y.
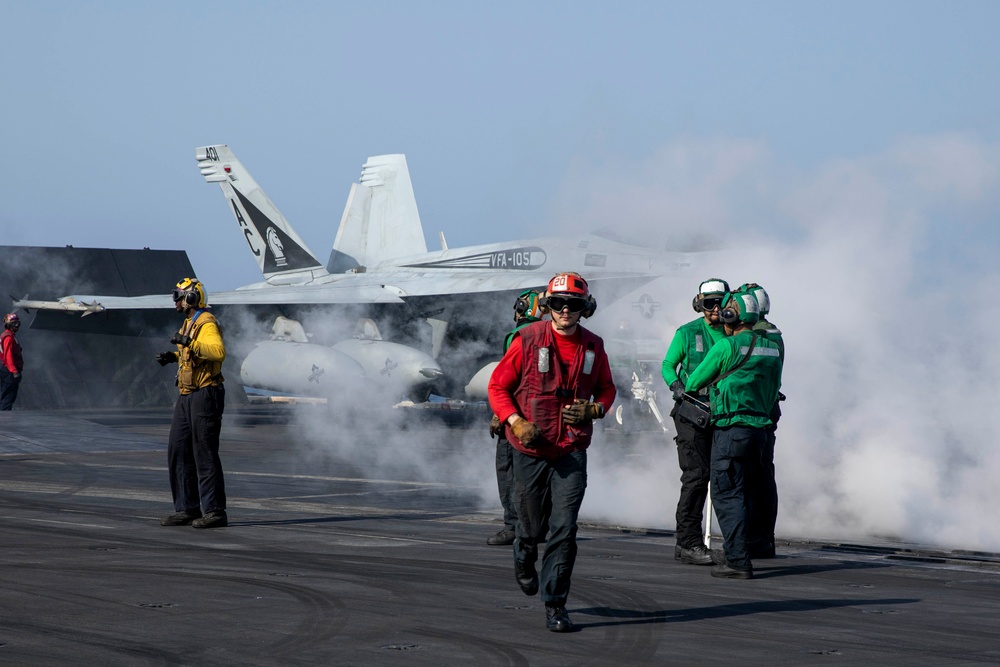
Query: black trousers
{"type": "Point", "coordinates": [736, 473]}
{"type": "Point", "coordinates": [505, 482]}
{"type": "Point", "coordinates": [549, 495]}
{"type": "Point", "coordinates": [196, 480]}
{"type": "Point", "coordinates": [694, 454]}
{"type": "Point", "coordinates": [760, 531]}
{"type": "Point", "coordinates": [8, 388]}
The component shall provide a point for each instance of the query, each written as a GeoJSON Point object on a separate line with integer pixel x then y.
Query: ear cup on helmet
{"type": "Point", "coordinates": [739, 307]}
{"type": "Point", "coordinates": [528, 304]}
{"type": "Point", "coordinates": [729, 311]}
{"type": "Point", "coordinates": [696, 303]}
{"type": "Point", "coordinates": [729, 315]}
{"type": "Point", "coordinates": [191, 299]}
{"type": "Point", "coordinates": [523, 305]}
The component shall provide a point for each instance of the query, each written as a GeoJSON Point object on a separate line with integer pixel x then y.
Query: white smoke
{"type": "Point", "coordinates": [879, 272]}
{"type": "Point", "coordinates": [360, 428]}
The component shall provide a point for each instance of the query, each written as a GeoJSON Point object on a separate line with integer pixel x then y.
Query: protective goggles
{"type": "Point", "coordinates": [711, 303]}
{"type": "Point", "coordinates": [574, 303]}
{"type": "Point", "coordinates": [178, 294]}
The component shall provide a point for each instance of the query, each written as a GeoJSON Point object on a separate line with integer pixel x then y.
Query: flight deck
{"type": "Point", "coordinates": [335, 556]}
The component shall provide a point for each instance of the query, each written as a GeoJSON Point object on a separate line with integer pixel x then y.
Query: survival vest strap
{"type": "Point", "coordinates": [194, 321]}
{"type": "Point", "coordinates": [746, 357]}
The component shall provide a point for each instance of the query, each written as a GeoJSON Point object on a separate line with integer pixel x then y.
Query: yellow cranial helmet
{"type": "Point", "coordinates": [192, 292]}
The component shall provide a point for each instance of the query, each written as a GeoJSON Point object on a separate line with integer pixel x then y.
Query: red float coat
{"type": "Point", "coordinates": [11, 352]}
{"type": "Point", "coordinates": [578, 368]}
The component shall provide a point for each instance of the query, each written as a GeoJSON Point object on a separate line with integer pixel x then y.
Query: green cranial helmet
{"type": "Point", "coordinates": [739, 306]}
{"type": "Point", "coordinates": [763, 300]}
{"type": "Point", "coordinates": [527, 306]}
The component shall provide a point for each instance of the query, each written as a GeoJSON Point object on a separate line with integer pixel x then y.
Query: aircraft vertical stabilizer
{"type": "Point", "coordinates": [380, 220]}
{"type": "Point", "coordinates": [282, 256]}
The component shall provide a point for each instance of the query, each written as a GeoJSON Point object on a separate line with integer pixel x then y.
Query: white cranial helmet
{"type": "Point", "coordinates": [713, 286]}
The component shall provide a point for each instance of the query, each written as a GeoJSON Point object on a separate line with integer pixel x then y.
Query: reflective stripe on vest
{"type": "Point", "coordinates": [761, 351]}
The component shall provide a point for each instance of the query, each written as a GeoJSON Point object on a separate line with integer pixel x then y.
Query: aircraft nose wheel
{"type": "Point", "coordinates": [624, 419]}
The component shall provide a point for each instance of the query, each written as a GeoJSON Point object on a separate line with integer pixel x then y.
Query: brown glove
{"type": "Point", "coordinates": [526, 432]}
{"type": "Point", "coordinates": [581, 412]}
{"type": "Point", "coordinates": [496, 428]}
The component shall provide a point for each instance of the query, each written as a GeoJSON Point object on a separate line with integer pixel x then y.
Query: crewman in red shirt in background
{"type": "Point", "coordinates": [12, 364]}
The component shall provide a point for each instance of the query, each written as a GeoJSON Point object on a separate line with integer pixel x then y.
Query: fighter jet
{"type": "Point", "coordinates": [380, 261]}
{"type": "Point", "coordinates": [379, 254]}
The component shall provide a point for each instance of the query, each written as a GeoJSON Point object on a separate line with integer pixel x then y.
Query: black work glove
{"type": "Point", "coordinates": [164, 358]}
{"type": "Point", "coordinates": [526, 432]}
{"type": "Point", "coordinates": [496, 428]}
{"type": "Point", "coordinates": [180, 339]}
{"type": "Point", "coordinates": [581, 412]}
{"type": "Point", "coordinates": [17, 375]}
{"type": "Point", "coordinates": [677, 387]}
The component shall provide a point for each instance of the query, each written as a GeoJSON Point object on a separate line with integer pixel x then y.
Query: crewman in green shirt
{"type": "Point", "coordinates": [743, 371]}
{"type": "Point", "coordinates": [760, 532]}
{"type": "Point", "coordinates": [694, 445]}
{"type": "Point", "coordinates": [527, 309]}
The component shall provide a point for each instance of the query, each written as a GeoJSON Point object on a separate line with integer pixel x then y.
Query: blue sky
{"type": "Point", "coordinates": [495, 105]}
{"type": "Point", "coordinates": [846, 154]}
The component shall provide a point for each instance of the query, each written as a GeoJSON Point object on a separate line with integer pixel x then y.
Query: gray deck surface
{"type": "Point", "coordinates": [325, 564]}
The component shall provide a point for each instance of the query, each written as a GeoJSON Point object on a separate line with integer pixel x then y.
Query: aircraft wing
{"type": "Point", "coordinates": [449, 273]}
{"type": "Point", "coordinates": [250, 296]}
{"type": "Point", "coordinates": [388, 287]}
{"type": "Point", "coordinates": [88, 305]}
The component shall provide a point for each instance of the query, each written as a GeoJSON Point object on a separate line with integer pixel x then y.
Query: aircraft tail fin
{"type": "Point", "coordinates": [282, 256]}
{"type": "Point", "coordinates": [380, 220]}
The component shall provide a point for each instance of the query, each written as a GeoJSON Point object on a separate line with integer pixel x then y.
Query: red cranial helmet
{"type": "Point", "coordinates": [569, 283]}
{"type": "Point", "coordinates": [570, 289]}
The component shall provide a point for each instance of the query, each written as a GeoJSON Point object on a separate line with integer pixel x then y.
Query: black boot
{"type": "Point", "coordinates": [180, 518]}
{"type": "Point", "coordinates": [215, 519]}
{"type": "Point", "coordinates": [557, 620]}
{"type": "Point", "coordinates": [696, 555]}
{"type": "Point", "coordinates": [727, 571]}
{"type": "Point", "coordinates": [527, 577]}
{"type": "Point", "coordinates": [502, 538]}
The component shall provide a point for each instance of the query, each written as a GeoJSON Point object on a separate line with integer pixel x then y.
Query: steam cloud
{"type": "Point", "coordinates": [879, 270]}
